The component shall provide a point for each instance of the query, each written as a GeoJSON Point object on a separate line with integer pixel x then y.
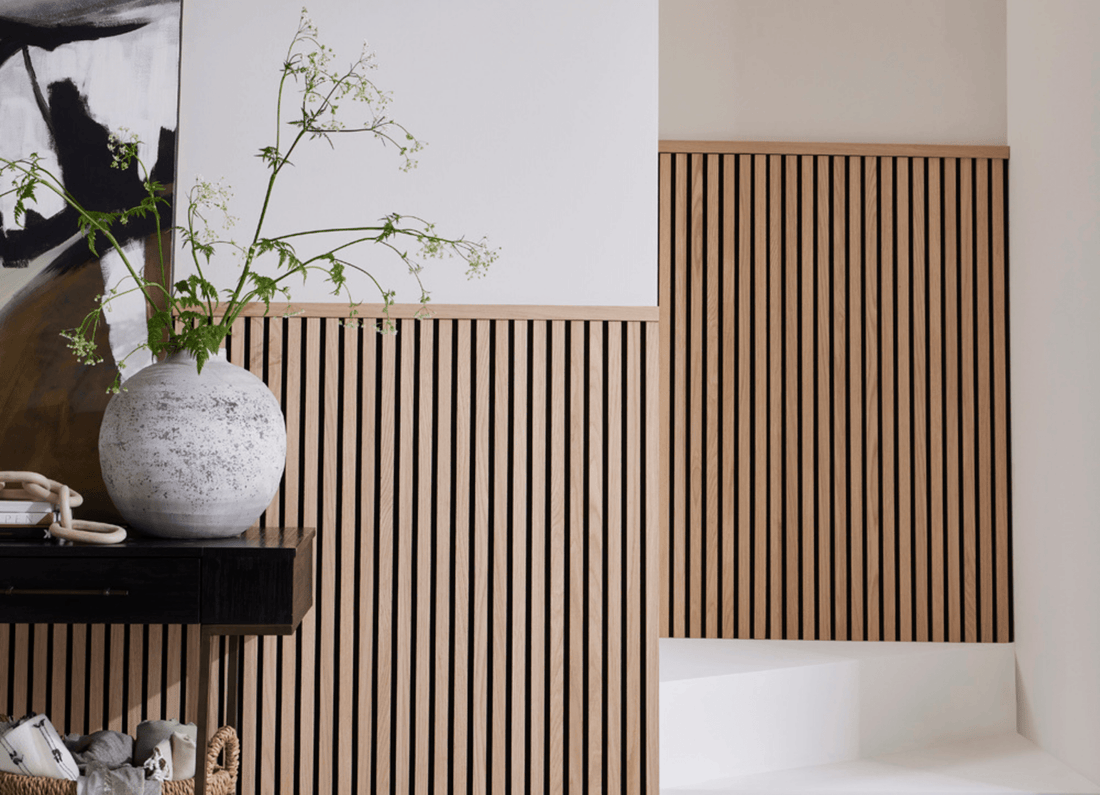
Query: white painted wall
{"type": "Point", "coordinates": [541, 123]}
{"type": "Point", "coordinates": [866, 71]}
{"type": "Point", "coordinates": [1054, 132]}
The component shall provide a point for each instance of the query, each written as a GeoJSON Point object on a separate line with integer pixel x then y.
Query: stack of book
{"type": "Point", "coordinates": [25, 518]}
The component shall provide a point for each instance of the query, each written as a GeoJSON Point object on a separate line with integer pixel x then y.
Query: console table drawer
{"type": "Point", "coordinates": [99, 590]}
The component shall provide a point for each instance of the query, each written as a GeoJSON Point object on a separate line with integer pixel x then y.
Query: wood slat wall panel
{"type": "Point", "coordinates": [486, 498]}
{"type": "Point", "coordinates": [834, 361]}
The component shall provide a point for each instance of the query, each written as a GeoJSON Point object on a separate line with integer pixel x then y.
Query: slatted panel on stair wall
{"type": "Point", "coordinates": [485, 614]}
{"type": "Point", "coordinates": [835, 433]}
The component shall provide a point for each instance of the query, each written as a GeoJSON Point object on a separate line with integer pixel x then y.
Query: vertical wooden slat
{"type": "Point", "coordinates": [483, 562]}
{"type": "Point", "coordinates": [384, 708]}
{"type": "Point", "coordinates": [775, 395]}
{"type": "Point", "coordinates": [666, 264]}
{"type": "Point", "coordinates": [540, 576]}
{"type": "Point", "coordinates": [307, 630]}
{"type": "Point", "coordinates": [115, 680]}
{"type": "Point", "coordinates": [1000, 404]}
{"type": "Point", "coordinates": [367, 747]}
{"type": "Point", "coordinates": [696, 366]}
{"type": "Point", "coordinates": [597, 554]}
{"type": "Point", "coordinates": [647, 637]}
{"type": "Point", "coordinates": [713, 530]}
{"type": "Point", "coordinates": [984, 406]}
{"type": "Point", "coordinates": [809, 528]}
{"type": "Point", "coordinates": [855, 442]}
{"type": "Point", "coordinates": [522, 592]}
{"type": "Point", "coordinates": [679, 408]}
{"type": "Point", "coordinates": [617, 596]}
{"type": "Point", "coordinates": [283, 726]}
{"type": "Point", "coordinates": [840, 317]}
{"type": "Point", "coordinates": [173, 653]}
{"type": "Point", "coordinates": [154, 638]}
{"type": "Point", "coordinates": [888, 415]}
{"type": "Point", "coordinates": [78, 700]}
{"type": "Point", "coordinates": [40, 665]}
{"type": "Point", "coordinates": [445, 602]}
{"type": "Point", "coordinates": [575, 561]}
{"type": "Point", "coordinates": [346, 606]}
{"type": "Point", "coordinates": [327, 657]}
{"type": "Point", "coordinates": [744, 398]}
{"type": "Point", "coordinates": [499, 603]}
{"type": "Point", "coordinates": [791, 478]}
{"type": "Point", "coordinates": [919, 439]}
{"type": "Point", "coordinates": [135, 704]}
{"type": "Point", "coordinates": [463, 587]}
{"type": "Point", "coordinates": [731, 384]}
{"type": "Point", "coordinates": [967, 425]}
{"type": "Point", "coordinates": [872, 526]}
{"type": "Point", "coordinates": [760, 397]}
{"type": "Point", "coordinates": [558, 752]}
{"type": "Point", "coordinates": [825, 521]}
{"type": "Point", "coordinates": [404, 572]}
{"type": "Point", "coordinates": [191, 684]}
{"type": "Point", "coordinates": [422, 495]}
{"type": "Point", "coordinates": [907, 468]}
{"type": "Point", "coordinates": [943, 522]}
{"type": "Point", "coordinates": [633, 539]}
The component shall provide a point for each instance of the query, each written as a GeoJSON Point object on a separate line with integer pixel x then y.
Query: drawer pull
{"type": "Point", "coordinates": [10, 591]}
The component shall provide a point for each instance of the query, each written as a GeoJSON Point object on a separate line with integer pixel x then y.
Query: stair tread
{"type": "Point", "coordinates": [1000, 763]}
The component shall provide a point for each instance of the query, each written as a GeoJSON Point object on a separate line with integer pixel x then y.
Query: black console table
{"type": "Point", "coordinates": [260, 583]}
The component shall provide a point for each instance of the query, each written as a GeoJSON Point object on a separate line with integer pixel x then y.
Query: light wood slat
{"type": "Point", "coordinates": [943, 403]}
{"type": "Point", "coordinates": [310, 506]}
{"type": "Point", "coordinates": [96, 662]}
{"type": "Point", "coordinates": [421, 495]}
{"type": "Point", "coordinates": [403, 575]}
{"type": "Point", "coordinates": [463, 552]}
{"type": "Point", "coordinates": [760, 397]}
{"type": "Point", "coordinates": [831, 149]}
{"type": "Point", "coordinates": [345, 649]}
{"type": "Point", "coordinates": [999, 267]}
{"type": "Point", "coordinates": [367, 748]}
{"type": "Point", "coordinates": [775, 396]}
{"type": "Point", "coordinates": [792, 478]}
{"type": "Point", "coordinates": [368, 312]}
{"type": "Point", "coordinates": [558, 761]}
{"type": "Point", "coordinates": [968, 424]}
{"type": "Point", "coordinates": [841, 313]}
{"type": "Point", "coordinates": [696, 365]}
{"type": "Point", "coordinates": [115, 682]}
{"type": "Point", "coordinates": [541, 536]}
{"type": "Point", "coordinates": [250, 710]}
{"type": "Point", "coordinates": [501, 597]}
{"type": "Point", "coordinates": [78, 696]}
{"type": "Point", "coordinates": [192, 661]}
{"type": "Point", "coordinates": [984, 405]}
{"type": "Point", "coordinates": [825, 525]}
{"type": "Point", "coordinates": [647, 638]}
{"type": "Point", "coordinates": [173, 655]}
{"type": "Point", "coordinates": [58, 707]}
{"type": "Point", "coordinates": [522, 593]}
{"type": "Point", "coordinates": [888, 296]}
{"type": "Point", "coordinates": [154, 637]}
{"type": "Point", "coordinates": [597, 555]}
{"type": "Point", "coordinates": [810, 526]}
{"type": "Point", "coordinates": [7, 673]}
{"type": "Point", "coordinates": [664, 290]}
{"type": "Point", "coordinates": [731, 379]}
{"type": "Point", "coordinates": [713, 531]}
{"type": "Point", "coordinates": [444, 499]}
{"type": "Point", "coordinates": [39, 646]}
{"type": "Point", "coordinates": [855, 441]}
{"type": "Point", "coordinates": [328, 661]}
{"type": "Point", "coordinates": [954, 267]}
{"type": "Point", "coordinates": [907, 469]}
{"type": "Point", "coordinates": [919, 438]}
{"type": "Point", "coordinates": [634, 552]}
{"type": "Point", "coordinates": [134, 702]}
{"type": "Point", "coordinates": [618, 596]}
{"type": "Point", "coordinates": [575, 563]}
{"type": "Point", "coordinates": [744, 398]}
{"type": "Point", "coordinates": [680, 457]}
{"type": "Point", "coordinates": [385, 710]}
{"type": "Point", "coordinates": [483, 560]}
{"type": "Point", "coordinates": [873, 525]}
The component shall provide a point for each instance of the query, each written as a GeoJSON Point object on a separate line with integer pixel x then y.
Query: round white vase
{"type": "Point", "coordinates": [189, 455]}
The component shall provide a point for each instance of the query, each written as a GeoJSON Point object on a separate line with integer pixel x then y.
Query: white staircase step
{"type": "Point", "coordinates": [1006, 763]}
{"type": "Point", "coordinates": [733, 708]}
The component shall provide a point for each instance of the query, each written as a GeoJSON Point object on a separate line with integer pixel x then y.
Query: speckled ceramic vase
{"type": "Point", "coordinates": [189, 455]}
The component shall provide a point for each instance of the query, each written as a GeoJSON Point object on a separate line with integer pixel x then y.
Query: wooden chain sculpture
{"type": "Point", "coordinates": [32, 486]}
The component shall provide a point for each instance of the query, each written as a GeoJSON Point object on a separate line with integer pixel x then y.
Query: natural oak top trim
{"type": "Point", "coordinates": [459, 311]}
{"type": "Point", "coordinates": [861, 150]}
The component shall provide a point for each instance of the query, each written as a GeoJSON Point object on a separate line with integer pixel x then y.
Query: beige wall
{"type": "Point", "coordinates": [1054, 132]}
{"type": "Point", "coordinates": [876, 71]}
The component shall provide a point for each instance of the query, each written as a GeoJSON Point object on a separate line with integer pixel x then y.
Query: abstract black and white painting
{"type": "Point", "coordinates": [73, 72]}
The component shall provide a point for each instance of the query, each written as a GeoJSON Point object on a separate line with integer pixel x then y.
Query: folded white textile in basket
{"type": "Point", "coordinates": [32, 747]}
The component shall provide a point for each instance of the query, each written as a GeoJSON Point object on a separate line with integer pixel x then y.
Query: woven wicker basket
{"type": "Point", "coordinates": [221, 779]}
